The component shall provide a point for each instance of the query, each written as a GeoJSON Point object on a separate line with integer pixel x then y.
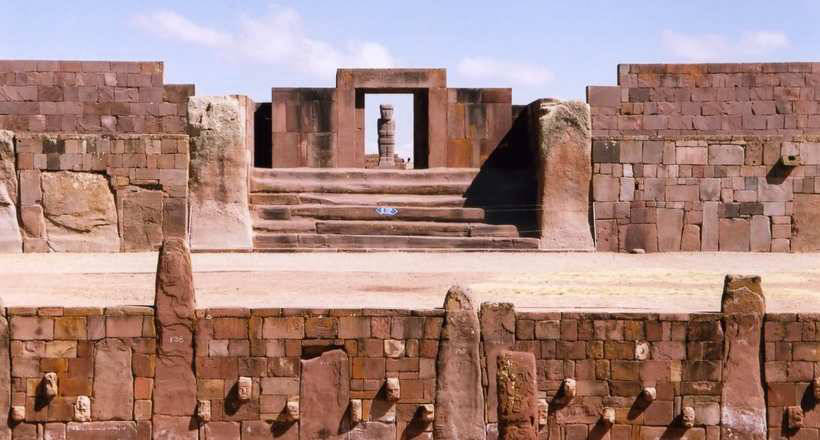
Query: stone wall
{"type": "Point", "coordinates": [90, 97]}
{"type": "Point", "coordinates": [706, 157]}
{"type": "Point", "coordinates": [101, 193]}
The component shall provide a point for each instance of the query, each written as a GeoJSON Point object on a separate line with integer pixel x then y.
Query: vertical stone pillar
{"type": "Point", "coordinates": [498, 334]}
{"type": "Point", "coordinates": [174, 382]}
{"type": "Point", "coordinates": [517, 391]}
{"type": "Point", "coordinates": [11, 240]}
{"type": "Point", "coordinates": [387, 137]}
{"type": "Point", "coordinates": [5, 375]}
{"type": "Point", "coordinates": [561, 139]}
{"type": "Point", "coordinates": [743, 404]}
{"type": "Point", "coordinates": [459, 413]}
{"type": "Point", "coordinates": [220, 216]}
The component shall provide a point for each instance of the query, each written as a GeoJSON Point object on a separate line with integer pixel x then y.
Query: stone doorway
{"type": "Point", "coordinates": [402, 124]}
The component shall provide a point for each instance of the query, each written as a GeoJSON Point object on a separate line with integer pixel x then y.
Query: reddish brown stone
{"type": "Point", "coordinates": [5, 378]}
{"type": "Point", "coordinates": [170, 427]}
{"type": "Point", "coordinates": [517, 392]}
{"type": "Point", "coordinates": [459, 395]}
{"type": "Point", "coordinates": [174, 383]}
{"type": "Point", "coordinates": [113, 382]}
{"type": "Point", "coordinates": [101, 431]}
{"type": "Point", "coordinates": [325, 396]}
{"type": "Point", "coordinates": [498, 334]}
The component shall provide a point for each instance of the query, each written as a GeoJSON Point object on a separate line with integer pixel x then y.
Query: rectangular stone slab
{"type": "Point", "coordinates": [325, 396]}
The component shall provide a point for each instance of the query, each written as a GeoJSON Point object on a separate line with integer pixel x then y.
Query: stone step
{"type": "Point", "coordinates": [384, 242]}
{"type": "Point", "coordinates": [429, 201]}
{"type": "Point", "coordinates": [434, 229]}
{"type": "Point", "coordinates": [345, 212]}
{"type": "Point", "coordinates": [434, 181]}
{"type": "Point", "coordinates": [294, 225]}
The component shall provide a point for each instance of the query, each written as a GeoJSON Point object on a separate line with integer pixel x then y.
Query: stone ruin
{"type": "Point", "coordinates": [105, 157]}
{"type": "Point", "coordinates": [464, 371]}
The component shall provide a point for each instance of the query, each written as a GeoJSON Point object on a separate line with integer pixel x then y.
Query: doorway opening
{"type": "Point", "coordinates": [403, 131]}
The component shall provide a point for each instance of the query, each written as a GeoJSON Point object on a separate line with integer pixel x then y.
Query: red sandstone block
{"type": "Point", "coordinates": [604, 96]}
{"type": "Point", "coordinates": [368, 368]}
{"type": "Point", "coordinates": [284, 328]}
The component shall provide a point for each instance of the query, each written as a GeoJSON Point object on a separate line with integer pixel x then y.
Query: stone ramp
{"type": "Point", "coordinates": [371, 209]}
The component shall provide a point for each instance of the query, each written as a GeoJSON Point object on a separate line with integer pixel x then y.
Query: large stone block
{"type": "Point", "coordinates": [459, 395]}
{"type": "Point", "coordinates": [174, 381]}
{"type": "Point", "coordinates": [498, 333]}
{"type": "Point", "coordinates": [101, 431]}
{"type": "Point", "coordinates": [80, 212]}
{"type": "Point", "coordinates": [743, 403]}
{"type": "Point", "coordinates": [639, 236]}
{"type": "Point", "coordinates": [670, 229]}
{"type": "Point", "coordinates": [806, 218]}
{"type": "Point", "coordinates": [141, 219]}
{"type": "Point", "coordinates": [11, 240]}
{"type": "Point", "coordinates": [517, 392]}
{"type": "Point", "coordinates": [726, 155]}
{"type": "Point", "coordinates": [8, 170]}
{"type": "Point", "coordinates": [734, 234]}
{"type": "Point", "coordinates": [5, 377]}
{"type": "Point", "coordinates": [113, 382]}
{"type": "Point", "coordinates": [561, 138]}
{"type": "Point", "coordinates": [761, 234]}
{"type": "Point", "coordinates": [325, 396]}
{"type": "Point", "coordinates": [219, 213]}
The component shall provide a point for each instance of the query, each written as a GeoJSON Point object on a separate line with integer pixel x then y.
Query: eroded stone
{"type": "Point", "coordinates": [325, 395]}
{"type": "Point", "coordinates": [11, 240]}
{"type": "Point", "coordinates": [82, 409]}
{"type": "Point", "coordinates": [113, 381]}
{"type": "Point", "coordinates": [517, 389]}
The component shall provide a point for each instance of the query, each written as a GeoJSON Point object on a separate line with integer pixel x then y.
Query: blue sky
{"type": "Point", "coordinates": [539, 48]}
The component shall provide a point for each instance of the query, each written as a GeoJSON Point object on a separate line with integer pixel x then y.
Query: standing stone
{"type": "Point", "coordinates": [498, 334]}
{"type": "Point", "coordinates": [141, 218]}
{"type": "Point", "coordinates": [690, 241]}
{"type": "Point", "coordinates": [325, 396]}
{"type": "Point", "coordinates": [11, 241]}
{"type": "Point", "coordinates": [387, 137]}
{"type": "Point", "coordinates": [174, 383]}
{"type": "Point", "coordinates": [561, 138]}
{"type": "Point", "coordinates": [80, 212]}
{"type": "Point", "coordinates": [670, 229]}
{"type": "Point", "coordinates": [220, 217]}
{"type": "Point", "coordinates": [8, 170]}
{"type": "Point", "coordinates": [761, 234]}
{"type": "Point", "coordinates": [459, 396]}
{"type": "Point", "coordinates": [5, 377]}
{"type": "Point", "coordinates": [517, 392]}
{"type": "Point", "coordinates": [743, 406]}
{"type": "Point", "coordinates": [113, 381]}
{"type": "Point", "coordinates": [806, 218]}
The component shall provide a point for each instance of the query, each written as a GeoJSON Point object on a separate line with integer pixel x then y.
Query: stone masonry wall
{"type": "Point", "coordinates": [101, 192]}
{"type": "Point", "coordinates": [707, 157]}
{"type": "Point", "coordinates": [90, 97]}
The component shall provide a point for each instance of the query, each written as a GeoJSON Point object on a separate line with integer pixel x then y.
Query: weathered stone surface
{"type": "Point", "coordinates": [11, 241]}
{"type": "Point", "coordinates": [220, 218]}
{"type": "Point", "coordinates": [690, 241]}
{"type": "Point", "coordinates": [102, 431]}
{"type": "Point", "coordinates": [743, 405]}
{"type": "Point", "coordinates": [174, 382]}
{"type": "Point", "coordinates": [113, 381]}
{"type": "Point", "coordinates": [806, 218]}
{"type": "Point", "coordinates": [325, 395]}
{"type": "Point", "coordinates": [80, 212]}
{"type": "Point", "coordinates": [8, 171]}
{"type": "Point", "coordinates": [222, 430]}
{"type": "Point", "coordinates": [561, 139]}
{"type": "Point", "coordinates": [373, 431]}
{"type": "Point", "coordinates": [459, 396]}
{"type": "Point", "coordinates": [498, 333]}
{"type": "Point", "coordinates": [761, 234]}
{"type": "Point", "coordinates": [734, 235]}
{"type": "Point", "coordinates": [33, 221]}
{"type": "Point", "coordinates": [173, 428]}
{"type": "Point", "coordinates": [517, 391]}
{"type": "Point", "coordinates": [639, 236]}
{"type": "Point", "coordinates": [141, 214]}
{"type": "Point", "coordinates": [5, 378]}
{"type": "Point", "coordinates": [670, 229]}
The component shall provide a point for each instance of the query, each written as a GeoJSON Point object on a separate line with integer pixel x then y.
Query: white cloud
{"type": "Point", "coordinates": [512, 73]}
{"type": "Point", "coordinates": [718, 47]}
{"type": "Point", "coordinates": [278, 38]}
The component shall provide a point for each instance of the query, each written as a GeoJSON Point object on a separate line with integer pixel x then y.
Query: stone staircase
{"type": "Point", "coordinates": [369, 209]}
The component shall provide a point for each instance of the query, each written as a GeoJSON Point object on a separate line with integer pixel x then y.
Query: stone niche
{"type": "Point", "coordinates": [101, 193]}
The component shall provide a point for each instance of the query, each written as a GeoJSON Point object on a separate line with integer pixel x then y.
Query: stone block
{"type": "Point", "coordinates": [774, 192]}
{"type": "Point", "coordinates": [682, 193]}
{"type": "Point", "coordinates": [606, 151]}
{"type": "Point", "coordinates": [760, 234]}
{"type": "Point", "coordinates": [691, 155]}
{"type": "Point", "coordinates": [325, 396]}
{"type": "Point", "coordinates": [653, 152]}
{"type": "Point", "coordinates": [709, 189]}
{"type": "Point", "coordinates": [604, 96]}
{"type": "Point", "coordinates": [640, 236]}
{"type": "Point", "coordinates": [631, 152]}
{"type": "Point", "coordinates": [517, 395]}
{"type": "Point", "coordinates": [711, 230]}
{"type": "Point", "coordinates": [141, 219]}
{"type": "Point", "coordinates": [605, 188]}
{"type": "Point", "coordinates": [734, 235]}
{"type": "Point", "coordinates": [690, 242]}
{"type": "Point", "coordinates": [806, 218]}
{"type": "Point", "coordinates": [120, 430]}
{"type": "Point", "coordinates": [113, 382]}
{"type": "Point", "coordinates": [670, 229]}
{"type": "Point", "coordinates": [726, 155]}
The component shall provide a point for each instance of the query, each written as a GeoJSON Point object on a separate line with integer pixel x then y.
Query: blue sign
{"type": "Point", "coordinates": [388, 212]}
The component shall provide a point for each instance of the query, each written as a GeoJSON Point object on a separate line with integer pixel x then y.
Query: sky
{"type": "Point", "coordinates": [540, 48]}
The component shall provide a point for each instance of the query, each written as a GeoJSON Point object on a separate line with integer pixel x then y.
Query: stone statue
{"type": "Point", "coordinates": [49, 386]}
{"type": "Point", "coordinates": [387, 139]}
{"type": "Point", "coordinates": [244, 388]}
{"type": "Point", "coordinates": [82, 409]}
{"type": "Point", "coordinates": [392, 389]}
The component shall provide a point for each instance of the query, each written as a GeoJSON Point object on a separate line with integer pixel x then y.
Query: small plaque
{"type": "Point", "coordinates": [386, 211]}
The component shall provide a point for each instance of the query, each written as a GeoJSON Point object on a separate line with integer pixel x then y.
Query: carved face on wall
{"type": "Point", "coordinates": [392, 389]}
{"type": "Point", "coordinates": [543, 412]}
{"type": "Point", "coordinates": [244, 389]}
{"type": "Point", "coordinates": [203, 410]}
{"type": "Point", "coordinates": [82, 409]}
{"type": "Point", "coordinates": [815, 385]}
{"type": "Point", "coordinates": [292, 410]}
{"type": "Point", "coordinates": [794, 414]}
{"type": "Point", "coordinates": [427, 413]}
{"type": "Point", "coordinates": [688, 417]}
{"type": "Point", "coordinates": [18, 413]}
{"type": "Point", "coordinates": [49, 385]}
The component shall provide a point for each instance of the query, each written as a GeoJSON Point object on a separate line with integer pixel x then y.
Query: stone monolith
{"type": "Point", "coordinates": [517, 393]}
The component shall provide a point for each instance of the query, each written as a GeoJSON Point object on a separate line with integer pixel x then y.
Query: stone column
{"type": "Point", "coordinates": [5, 375]}
{"type": "Point", "coordinates": [561, 139]}
{"type": "Point", "coordinates": [498, 335]}
{"type": "Point", "coordinates": [174, 381]}
{"type": "Point", "coordinates": [743, 405]}
{"type": "Point", "coordinates": [517, 391]}
{"type": "Point", "coordinates": [387, 137]}
{"type": "Point", "coordinates": [11, 240]}
{"type": "Point", "coordinates": [459, 413]}
{"type": "Point", "coordinates": [219, 213]}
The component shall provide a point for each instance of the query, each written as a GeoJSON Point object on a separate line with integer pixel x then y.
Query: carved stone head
{"type": "Point", "coordinates": [794, 417]}
{"type": "Point", "coordinates": [386, 111]}
{"type": "Point", "coordinates": [244, 388]}
{"type": "Point", "coordinates": [688, 416]}
{"type": "Point", "coordinates": [355, 411]}
{"type": "Point", "coordinates": [567, 391]}
{"type": "Point", "coordinates": [203, 410]}
{"type": "Point", "coordinates": [292, 410]}
{"type": "Point", "coordinates": [427, 413]}
{"type": "Point", "coordinates": [815, 387]}
{"type": "Point", "coordinates": [649, 394]}
{"type": "Point", "coordinates": [82, 409]}
{"type": "Point", "coordinates": [49, 386]}
{"type": "Point", "coordinates": [608, 416]}
{"type": "Point", "coordinates": [18, 413]}
{"type": "Point", "coordinates": [392, 389]}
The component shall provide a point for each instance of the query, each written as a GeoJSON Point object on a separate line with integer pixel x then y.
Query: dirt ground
{"type": "Point", "coordinates": [678, 282]}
